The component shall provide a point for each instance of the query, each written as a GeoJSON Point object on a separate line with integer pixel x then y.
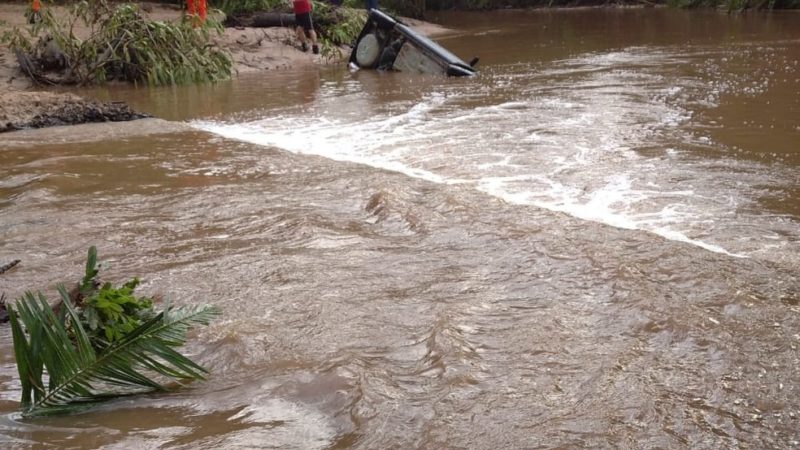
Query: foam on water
{"type": "Point", "coordinates": [321, 137]}
{"type": "Point", "coordinates": [566, 140]}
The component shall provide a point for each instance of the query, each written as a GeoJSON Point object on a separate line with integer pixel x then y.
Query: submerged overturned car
{"type": "Point", "coordinates": [387, 44]}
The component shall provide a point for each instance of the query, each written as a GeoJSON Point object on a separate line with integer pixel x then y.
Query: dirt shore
{"type": "Point", "coordinates": [23, 105]}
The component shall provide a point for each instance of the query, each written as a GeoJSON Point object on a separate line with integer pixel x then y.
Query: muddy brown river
{"type": "Point", "coordinates": [592, 244]}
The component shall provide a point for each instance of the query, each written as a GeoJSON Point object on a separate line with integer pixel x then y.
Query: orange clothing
{"type": "Point", "coordinates": [201, 10]}
{"type": "Point", "coordinates": [196, 8]}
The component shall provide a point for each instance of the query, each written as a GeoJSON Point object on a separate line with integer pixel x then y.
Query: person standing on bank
{"type": "Point", "coordinates": [305, 29]}
{"type": "Point", "coordinates": [371, 4]}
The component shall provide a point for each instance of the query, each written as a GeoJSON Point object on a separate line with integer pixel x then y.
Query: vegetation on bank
{"type": "Point", "coordinates": [124, 45]}
{"type": "Point", "coordinates": [417, 8]}
{"type": "Point", "coordinates": [121, 45]}
{"type": "Point", "coordinates": [336, 25]}
{"type": "Point", "coordinates": [98, 342]}
{"type": "Point", "coordinates": [344, 25]}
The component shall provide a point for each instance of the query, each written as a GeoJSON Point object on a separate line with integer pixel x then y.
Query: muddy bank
{"type": "Point", "coordinates": [21, 110]}
{"type": "Point", "coordinates": [90, 132]}
{"type": "Point", "coordinates": [251, 48]}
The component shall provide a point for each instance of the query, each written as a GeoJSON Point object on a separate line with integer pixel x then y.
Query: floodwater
{"type": "Point", "coordinates": [591, 244]}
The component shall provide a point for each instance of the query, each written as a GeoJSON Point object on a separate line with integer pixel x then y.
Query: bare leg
{"type": "Point", "coordinates": [301, 35]}
{"type": "Point", "coordinates": [313, 36]}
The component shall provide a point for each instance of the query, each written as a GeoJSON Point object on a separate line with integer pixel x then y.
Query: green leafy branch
{"type": "Point", "coordinates": [344, 25]}
{"type": "Point", "coordinates": [129, 350]}
{"type": "Point", "coordinates": [121, 44]}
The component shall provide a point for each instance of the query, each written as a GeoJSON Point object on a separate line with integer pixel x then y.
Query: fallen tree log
{"type": "Point", "coordinates": [261, 20]}
{"type": "Point", "coordinates": [274, 19]}
{"type": "Point", "coordinates": [267, 20]}
{"type": "Point", "coordinates": [29, 68]}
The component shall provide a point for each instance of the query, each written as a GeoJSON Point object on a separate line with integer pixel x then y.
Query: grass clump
{"type": "Point", "coordinates": [341, 27]}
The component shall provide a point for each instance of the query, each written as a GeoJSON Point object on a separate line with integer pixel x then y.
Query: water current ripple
{"type": "Point", "coordinates": [574, 137]}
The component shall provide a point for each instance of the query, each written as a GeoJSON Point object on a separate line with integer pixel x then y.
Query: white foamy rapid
{"type": "Point", "coordinates": [600, 138]}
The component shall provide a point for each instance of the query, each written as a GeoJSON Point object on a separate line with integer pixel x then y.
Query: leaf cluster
{"type": "Point", "coordinates": [100, 342]}
{"type": "Point", "coordinates": [114, 312]}
{"type": "Point", "coordinates": [345, 25]}
{"type": "Point", "coordinates": [108, 313]}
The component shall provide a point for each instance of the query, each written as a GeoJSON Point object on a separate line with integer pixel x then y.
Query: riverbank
{"type": "Point", "coordinates": [25, 105]}
{"type": "Point", "coordinates": [252, 49]}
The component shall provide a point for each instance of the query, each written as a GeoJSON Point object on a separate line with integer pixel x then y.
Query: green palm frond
{"type": "Point", "coordinates": [78, 372]}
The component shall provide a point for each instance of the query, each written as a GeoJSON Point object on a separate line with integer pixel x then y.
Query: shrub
{"type": "Point", "coordinates": [121, 44]}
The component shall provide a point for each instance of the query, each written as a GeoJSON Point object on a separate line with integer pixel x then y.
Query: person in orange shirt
{"type": "Point", "coordinates": [196, 9]}
{"type": "Point", "coordinates": [305, 29]}
{"type": "Point", "coordinates": [34, 12]}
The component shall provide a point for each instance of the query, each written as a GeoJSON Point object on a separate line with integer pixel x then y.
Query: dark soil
{"type": "Point", "coordinates": [73, 114]}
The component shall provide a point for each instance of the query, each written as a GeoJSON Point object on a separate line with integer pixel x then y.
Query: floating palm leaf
{"type": "Point", "coordinates": [78, 372]}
